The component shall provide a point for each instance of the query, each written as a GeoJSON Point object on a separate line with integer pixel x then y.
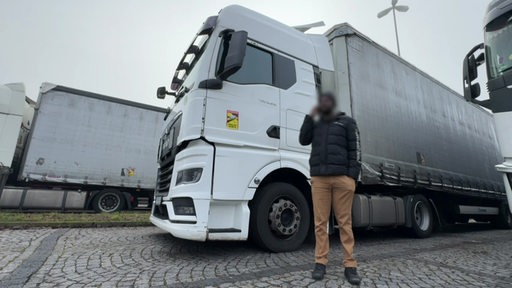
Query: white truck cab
{"type": "Point", "coordinates": [12, 107]}
{"type": "Point", "coordinates": [241, 129]}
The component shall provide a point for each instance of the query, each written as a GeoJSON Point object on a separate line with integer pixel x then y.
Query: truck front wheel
{"type": "Point", "coordinates": [108, 201]}
{"type": "Point", "coordinates": [280, 218]}
{"type": "Point", "coordinates": [422, 218]}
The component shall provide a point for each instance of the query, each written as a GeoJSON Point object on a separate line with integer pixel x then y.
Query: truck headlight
{"type": "Point", "coordinates": [188, 176]}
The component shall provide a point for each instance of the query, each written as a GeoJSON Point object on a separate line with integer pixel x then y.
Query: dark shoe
{"type": "Point", "coordinates": [319, 271]}
{"type": "Point", "coordinates": [352, 276]}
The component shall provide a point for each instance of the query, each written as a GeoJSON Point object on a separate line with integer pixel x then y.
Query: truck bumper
{"type": "Point", "coordinates": [184, 227]}
{"type": "Point", "coordinates": [506, 169]}
{"type": "Point", "coordinates": [183, 231]}
{"type": "Point", "coordinates": [215, 220]}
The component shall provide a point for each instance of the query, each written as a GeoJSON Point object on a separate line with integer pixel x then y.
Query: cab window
{"type": "Point", "coordinates": [263, 67]}
{"type": "Point", "coordinates": [257, 68]}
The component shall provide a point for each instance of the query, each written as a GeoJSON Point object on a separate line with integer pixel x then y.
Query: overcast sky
{"type": "Point", "coordinates": [126, 48]}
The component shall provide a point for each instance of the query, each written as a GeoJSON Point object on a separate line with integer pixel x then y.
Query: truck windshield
{"type": "Point", "coordinates": [498, 45]}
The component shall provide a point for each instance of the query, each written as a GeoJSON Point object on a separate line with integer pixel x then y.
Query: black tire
{"type": "Point", "coordinates": [290, 211]}
{"type": "Point", "coordinates": [422, 218]}
{"type": "Point", "coordinates": [108, 201]}
{"type": "Point", "coordinates": [504, 219]}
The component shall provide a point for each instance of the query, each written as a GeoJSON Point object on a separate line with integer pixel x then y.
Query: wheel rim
{"type": "Point", "coordinates": [109, 202]}
{"type": "Point", "coordinates": [284, 218]}
{"type": "Point", "coordinates": [421, 216]}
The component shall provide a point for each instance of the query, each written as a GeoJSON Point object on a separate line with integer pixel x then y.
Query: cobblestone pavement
{"type": "Point", "coordinates": [146, 256]}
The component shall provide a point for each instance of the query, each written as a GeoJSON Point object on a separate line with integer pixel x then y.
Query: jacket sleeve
{"type": "Point", "coordinates": [306, 131]}
{"type": "Point", "coordinates": [354, 150]}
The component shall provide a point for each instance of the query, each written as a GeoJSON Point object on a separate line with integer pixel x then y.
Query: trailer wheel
{"type": "Point", "coordinates": [108, 201]}
{"type": "Point", "coordinates": [280, 218]}
{"type": "Point", "coordinates": [504, 218]}
{"type": "Point", "coordinates": [421, 216]}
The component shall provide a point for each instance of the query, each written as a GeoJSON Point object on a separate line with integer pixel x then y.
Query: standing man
{"type": "Point", "coordinates": [334, 168]}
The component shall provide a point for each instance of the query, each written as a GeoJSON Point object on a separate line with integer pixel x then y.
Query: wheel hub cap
{"type": "Point", "coordinates": [109, 202]}
{"type": "Point", "coordinates": [284, 217]}
{"type": "Point", "coordinates": [421, 216]}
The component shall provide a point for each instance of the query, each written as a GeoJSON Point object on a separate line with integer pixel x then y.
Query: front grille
{"type": "Point", "coordinates": [167, 156]}
{"type": "Point", "coordinates": [164, 178]}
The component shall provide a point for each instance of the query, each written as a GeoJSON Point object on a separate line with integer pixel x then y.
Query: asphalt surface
{"type": "Point", "coordinates": [464, 256]}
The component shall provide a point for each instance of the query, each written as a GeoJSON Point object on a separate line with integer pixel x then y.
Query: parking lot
{"type": "Point", "coordinates": [464, 256]}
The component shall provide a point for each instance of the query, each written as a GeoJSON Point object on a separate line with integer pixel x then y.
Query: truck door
{"type": "Point", "coordinates": [237, 119]}
{"type": "Point", "coordinates": [247, 104]}
{"type": "Point", "coordinates": [296, 101]}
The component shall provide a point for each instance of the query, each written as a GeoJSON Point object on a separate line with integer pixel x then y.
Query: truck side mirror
{"type": "Point", "coordinates": [160, 92]}
{"type": "Point", "coordinates": [233, 53]}
{"type": "Point", "coordinates": [470, 73]}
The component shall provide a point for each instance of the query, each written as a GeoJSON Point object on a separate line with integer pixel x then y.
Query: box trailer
{"type": "Point", "coordinates": [83, 150]}
{"type": "Point", "coordinates": [231, 166]}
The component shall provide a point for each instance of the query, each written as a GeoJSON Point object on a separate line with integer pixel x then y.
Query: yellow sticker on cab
{"type": "Point", "coordinates": [232, 119]}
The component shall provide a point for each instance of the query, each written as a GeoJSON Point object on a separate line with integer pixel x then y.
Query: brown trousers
{"type": "Point", "coordinates": [336, 192]}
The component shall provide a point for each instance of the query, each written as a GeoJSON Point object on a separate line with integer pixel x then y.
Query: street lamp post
{"type": "Point", "coordinates": [394, 8]}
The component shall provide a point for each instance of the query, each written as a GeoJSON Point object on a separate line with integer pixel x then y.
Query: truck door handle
{"type": "Point", "coordinates": [274, 131]}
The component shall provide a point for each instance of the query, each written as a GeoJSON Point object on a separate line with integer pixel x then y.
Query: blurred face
{"type": "Point", "coordinates": [325, 105]}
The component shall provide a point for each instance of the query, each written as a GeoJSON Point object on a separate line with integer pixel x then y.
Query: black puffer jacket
{"type": "Point", "coordinates": [335, 146]}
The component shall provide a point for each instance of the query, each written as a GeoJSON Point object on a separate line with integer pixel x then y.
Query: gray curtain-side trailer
{"type": "Point", "coordinates": [83, 151]}
{"type": "Point", "coordinates": [416, 135]}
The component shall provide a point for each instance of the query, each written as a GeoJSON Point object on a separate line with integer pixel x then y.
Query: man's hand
{"type": "Point", "coordinates": [314, 112]}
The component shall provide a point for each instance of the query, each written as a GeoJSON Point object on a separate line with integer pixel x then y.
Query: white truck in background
{"type": "Point", "coordinates": [231, 166]}
{"type": "Point", "coordinates": [15, 118]}
{"type": "Point", "coordinates": [76, 150]}
{"type": "Point", "coordinates": [498, 58]}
